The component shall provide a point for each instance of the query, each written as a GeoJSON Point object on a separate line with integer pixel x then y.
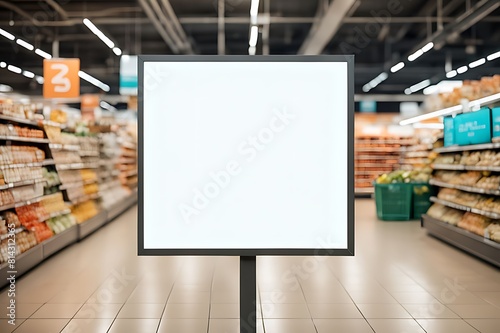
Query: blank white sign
{"type": "Point", "coordinates": [245, 155]}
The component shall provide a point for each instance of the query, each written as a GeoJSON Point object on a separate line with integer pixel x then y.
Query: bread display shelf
{"type": "Point", "coordinates": [21, 183]}
{"type": "Point", "coordinates": [59, 146]}
{"type": "Point", "coordinates": [28, 165]}
{"type": "Point", "coordinates": [76, 166]}
{"type": "Point", "coordinates": [460, 167]}
{"type": "Point", "coordinates": [480, 246]}
{"type": "Point", "coordinates": [16, 231]}
{"type": "Point", "coordinates": [464, 188]}
{"type": "Point", "coordinates": [25, 121]}
{"type": "Point", "coordinates": [452, 149]}
{"type": "Point", "coordinates": [23, 139]}
{"type": "Point", "coordinates": [451, 204]}
{"type": "Point", "coordinates": [66, 186]}
{"type": "Point", "coordinates": [23, 203]}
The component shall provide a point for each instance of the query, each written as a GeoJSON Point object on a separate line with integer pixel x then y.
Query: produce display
{"type": "Point", "coordinates": [402, 176]}
{"type": "Point", "coordinates": [51, 178]}
{"type": "Point", "coordinates": [31, 214]}
{"type": "Point", "coordinates": [60, 223]}
{"type": "Point", "coordinates": [84, 211]}
{"type": "Point", "coordinates": [42, 231]}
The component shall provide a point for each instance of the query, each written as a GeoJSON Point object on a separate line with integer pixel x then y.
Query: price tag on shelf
{"type": "Point", "coordinates": [61, 78]}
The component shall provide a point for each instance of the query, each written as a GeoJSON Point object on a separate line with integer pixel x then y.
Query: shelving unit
{"type": "Point", "coordinates": [375, 155]}
{"type": "Point", "coordinates": [456, 172]}
{"type": "Point", "coordinates": [88, 169]}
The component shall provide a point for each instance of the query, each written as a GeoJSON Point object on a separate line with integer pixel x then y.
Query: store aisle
{"type": "Point", "coordinates": [401, 280]}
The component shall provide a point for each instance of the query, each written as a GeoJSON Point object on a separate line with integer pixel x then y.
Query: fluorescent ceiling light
{"type": "Point", "coordinates": [254, 35]}
{"type": "Point", "coordinates": [493, 56]}
{"type": "Point", "coordinates": [431, 90]}
{"type": "Point", "coordinates": [254, 8]}
{"type": "Point", "coordinates": [117, 51]}
{"type": "Point", "coordinates": [397, 67]}
{"type": "Point", "coordinates": [367, 88]}
{"type": "Point", "coordinates": [14, 69]}
{"type": "Point", "coordinates": [43, 54]}
{"type": "Point", "coordinates": [415, 55]}
{"type": "Point", "coordinates": [430, 115]}
{"type": "Point", "coordinates": [476, 63]}
{"type": "Point", "coordinates": [252, 50]}
{"type": "Point", "coordinates": [98, 33]}
{"type": "Point", "coordinates": [428, 46]}
{"type": "Point", "coordinates": [7, 35]}
{"type": "Point", "coordinates": [3, 64]}
{"type": "Point", "coordinates": [462, 69]}
{"type": "Point", "coordinates": [107, 106]}
{"type": "Point", "coordinates": [407, 91]}
{"type": "Point", "coordinates": [383, 76]}
{"type": "Point", "coordinates": [420, 85]}
{"type": "Point", "coordinates": [39, 79]}
{"type": "Point", "coordinates": [5, 88]}
{"type": "Point", "coordinates": [29, 74]}
{"type": "Point", "coordinates": [451, 74]}
{"type": "Point", "coordinates": [25, 44]}
{"type": "Point", "coordinates": [93, 80]}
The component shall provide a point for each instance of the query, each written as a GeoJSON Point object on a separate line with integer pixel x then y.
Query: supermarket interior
{"type": "Point", "coordinates": [425, 178]}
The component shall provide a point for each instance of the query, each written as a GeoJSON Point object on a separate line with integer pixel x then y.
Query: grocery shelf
{"type": "Point", "coordinates": [482, 146]}
{"type": "Point", "coordinates": [479, 246]}
{"type": "Point", "coordinates": [60, 241]}
{"type": "Point", "coordinates": [84, 198]}
{"type": "Point", "coordinates": [58, 146]}
{"type": "Point", "coordinates": [129, 173]}
{"type": "Point", "coordinates": [92, 224]}
{"type": "Point", "coordinates": [21, 183]}
{"type": "Point", "coordinates": [66, 186]}
{"type": "Point", "coordinates": [76, 166]}
{"type": "Point", "coordinates": [23, 139]}
{"type": "Point", "coordinates": [128, 144]}
{"type": "Point", "coordinates": [128, 154]}
{"type": "Point", "coordinates": [88, 153]}
{"type": "Point", "coordinates": [22, 203]}
{"type": "Point", "coordinates": [374, 157]}
{"type": "Point", "coordinates": [464, 188]}
{"type": "Point", "coordinates": [59, 213]}
{"type": "Point", "coordinates": [377, 150]}
{"type": "Point", "coordinates": [461, 167]}
{"type": "Point", "coordinates": [121, 206]}
{"type": "Point", "coordinates": [24, 262]}
{"type": "Point", "coordinates": [28, 165]}
{"type": "Point", "coordinates": [18, 120]}
{"type": "Point", "coordinates": [127, 161]}
{"type": "Point", "coordinates": [451, 204]}
{"type": "Point", "coordinates": [16, 231]}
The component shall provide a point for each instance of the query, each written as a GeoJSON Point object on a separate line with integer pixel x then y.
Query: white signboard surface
{"type": "Point", "coordinates": [244, 155]}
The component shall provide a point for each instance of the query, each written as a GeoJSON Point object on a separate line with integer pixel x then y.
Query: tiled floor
{"type": "Point", "coordinates": [400, 280]}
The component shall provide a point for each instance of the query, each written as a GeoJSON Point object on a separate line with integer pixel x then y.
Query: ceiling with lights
{"type": "Point", "coordinates": [401, 46]}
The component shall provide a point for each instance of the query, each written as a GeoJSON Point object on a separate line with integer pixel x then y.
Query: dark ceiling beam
{"type": "Point", "coordinates": [31, 20]}
{"type": "Point", "coordinates": [322, 31]}
{"type": "Point", "coordinates": [58, 9]}
{"type": "Point", "coordinates": [159, 26]}
{"type": "Point", "coordinates": [426, 10]}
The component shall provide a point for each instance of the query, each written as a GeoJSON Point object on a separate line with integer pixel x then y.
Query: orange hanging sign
{"type": "Point", "coordinates": [61, 78]}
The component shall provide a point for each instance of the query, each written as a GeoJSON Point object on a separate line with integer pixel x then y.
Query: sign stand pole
{"type": "Point", "coordinates": [248, 292]}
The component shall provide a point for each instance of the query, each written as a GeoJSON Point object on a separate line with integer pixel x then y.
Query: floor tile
{"type": "Point", "coordinates": [433, 310]}
{"type": "Point", "coordinates": [395, 326]}
{"type": "Point", "coordinates": [485, 325]}
{"type": "Point", "coordinates": [151, 311]}
{"type": "Point", "coordinates": [183, 326]}
{"type": "Point", "coordinates": [285, 311]}
{"type": "Point", "coordinates": [224, 326]}
{"type": "Point", "coordinates": [337, 298]}
{"type": "Point", "coordinates": [98, 311]}
{"type": "Point", "coordinates": [279, 297]}
{"type": "Point", "coordinates": [491, 297]}
{"type": "Point", "coordinates": [42, 325]}
{"type": "Point", "coordinates": [57, 311]}
{"type": "Point", "coordinates": [383, 311]}
{"type": "Point", "coordinates": [8, 328]}
{"type": "Point", "coordinates": [342, 325]}
{"type": "Point", "coordinates": [224, 311]}
{"type": "Point", "coordinates": [186, 311]}
{"type": "Point", "coordinates": [446, 296]}
{"type": "Point", "coordinates": [446, 325]}
{"type": "Point", "coordinates": [289, 326]}
{"type": "Point", "coordinates": [373, 298]}
{"type": "Point", "coordinates": [189, 297]}
{"type": "Point", "coordinates": [121, 325]}
{"type": "Point", "coordinates": [23, 310]}
{"type": "Point", "coordinates": [225, 297]}
{"type": "Point", "coordinates": [414, 297]}
{"type": "Point", "coordinates": [334, 311]}
{"type": "Point", "coordinates": [88, 325]}
{"type": "Point", "coordinates": [476, 310]}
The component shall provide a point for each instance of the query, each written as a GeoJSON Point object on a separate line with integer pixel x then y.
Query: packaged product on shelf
{"type": "Point", "coordinates": [84, 211]}
{"type": "Point", "coordinates": [20, 154]}
{"type": "Point", "coordinates": [13, 175]}
{"type": "Point", "coordinates": [6, 198]}
{"type": "Point", "coordinates": [490, 204]}
{"type": "Point", "coordinates": [66, 157]}
{"type": "Point", "coordinates": [50, 177]}
{"type": "Point", "coordinates": [60, 223]}
{"type": "Point", "coordinates": [445, 214]}
{"type": "Point", "coordinates": [28, 192]}
{"type": "Point", "coordinates": [70, 176]}
{"type": "Point", "coordinates": [11, 218]}
{"type": "Point", "coordinates": [54, 203]}
{"type": "Point", "coordinates": [58, 116]}
{"type": "Point", "coordinates": [489, 183]}
{"type": "Point", "coordinates": [493, 231]}
{"type": "Point", "coordinates": [53, 133]}
{"type": "Point", "coordinates": [42, 231]}
{"type": "Point", "coordinates": [31, 214]}
{"type": "Point", "coordinates": [88, 175]}
{"type": "Point", "coordinates": [474, 223]}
